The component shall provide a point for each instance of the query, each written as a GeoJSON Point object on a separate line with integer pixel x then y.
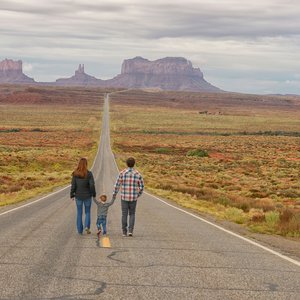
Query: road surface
{"type": "Point", "coordinates": [173, 254]}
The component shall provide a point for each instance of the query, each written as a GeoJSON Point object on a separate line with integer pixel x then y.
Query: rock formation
{"type": "Point", "coordinates": [12, 72]}
{"type": "Point", "coordinates": [170, 73]}
{"type": "Point", "coordinates": [168, 65]}
{"type": "Point", "coordinates": [80, 78]}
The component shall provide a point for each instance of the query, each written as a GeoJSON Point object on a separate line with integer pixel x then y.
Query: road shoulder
{"type": "Point", "coordinates": [286, 246]}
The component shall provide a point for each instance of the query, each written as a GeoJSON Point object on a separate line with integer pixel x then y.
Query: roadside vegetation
{"type": "Point", "coordinates": [43, 133]}
{"type": "Point", "coordinates": [242, 165]}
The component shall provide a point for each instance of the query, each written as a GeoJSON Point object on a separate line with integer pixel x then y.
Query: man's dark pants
{"type": "Point", "coordinates": [128, 207]}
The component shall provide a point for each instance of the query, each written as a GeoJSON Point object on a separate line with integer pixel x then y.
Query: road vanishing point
{"type": "Point", "coordinates": [173, 254]}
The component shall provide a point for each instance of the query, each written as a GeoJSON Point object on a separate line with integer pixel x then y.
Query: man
{"type": "Point", "coordinates": [132, 185]}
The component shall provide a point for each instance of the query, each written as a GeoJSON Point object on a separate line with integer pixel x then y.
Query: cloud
{"type": "Point", "coordinates": [209, 19]}
{"type": "Point", "coordinates": [27, 67]}
{"type": "Point", "coordinates": [229, 37]}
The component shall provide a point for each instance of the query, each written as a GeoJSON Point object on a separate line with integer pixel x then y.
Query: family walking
{"type": "Point", "coordinates": [83, 190]}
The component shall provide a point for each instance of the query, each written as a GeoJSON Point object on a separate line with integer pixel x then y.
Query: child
{"type": "Point", "coordinates": [102, 209]}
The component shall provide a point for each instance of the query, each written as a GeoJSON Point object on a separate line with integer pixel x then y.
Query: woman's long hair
{"type": "Point", "coordinates": [81, 170]}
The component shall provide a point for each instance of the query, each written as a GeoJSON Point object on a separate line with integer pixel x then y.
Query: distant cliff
{"type": "Point", "coordinates": [170, 73]}
{"type": "Point", "coordinates": [80, 78]}
{"type": "Point", "coordinates": [12, 72]}
{"type": "Point", "coordinates": [168, 65]}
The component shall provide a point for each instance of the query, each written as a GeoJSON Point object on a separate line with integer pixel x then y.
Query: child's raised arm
{"type": "Point", "coordinates": [95, 200]}
{"type": "Point", "coordinates": [111, 202]}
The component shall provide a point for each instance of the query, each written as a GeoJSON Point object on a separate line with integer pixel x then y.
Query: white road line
{"type": "Point", "coordinates": [35, 201]}
{"type": "Point", "coordinates": [293, 261]}
{"type": "Point", "coordinates": [48, 195]}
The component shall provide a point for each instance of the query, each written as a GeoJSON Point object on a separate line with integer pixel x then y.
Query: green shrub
{"type": "Point", "coordinates": [163, 150]}
{"type": "Point", "coordinates": [223, 201]}
{"type": "Point", "coordinates": [10, 130]}
{"type": "Point", "coordinates": [272, 218]}
{"type": "Point", "coordinates": [236, 215]}
{"type": "Point", "coordinates": [198, 153]}
{"type": "Point", "coordinates": [38, 130]}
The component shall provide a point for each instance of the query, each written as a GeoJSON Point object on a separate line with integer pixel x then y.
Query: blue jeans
{"type": "Point", "coordinates": [101, 221]}
{"type": "Point", "coordinates": [87, 208]}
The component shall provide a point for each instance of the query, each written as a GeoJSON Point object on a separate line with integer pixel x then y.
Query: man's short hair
{"type": "Point", "coordinates": [130, 162]}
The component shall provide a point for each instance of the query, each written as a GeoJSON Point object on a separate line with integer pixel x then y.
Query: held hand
{"type": "Point", "coordinates": [73, 199]}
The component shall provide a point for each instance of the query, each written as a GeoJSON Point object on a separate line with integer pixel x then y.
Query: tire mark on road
{"type": "Point", "coordinates": [111, 256]}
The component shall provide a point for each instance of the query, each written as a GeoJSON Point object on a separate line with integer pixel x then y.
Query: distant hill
{"type": "Point", "coordinates": [80, 78]}
{"type": "Point", "coordinates": [11, 72]}
{"type": "Point", "coordinates": [170, 73]}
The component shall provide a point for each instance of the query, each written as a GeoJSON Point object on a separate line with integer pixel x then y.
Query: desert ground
{"type": "Point", "coordinates": [43, 133]}
{"type": "Point", "coordinates": [233, 156]}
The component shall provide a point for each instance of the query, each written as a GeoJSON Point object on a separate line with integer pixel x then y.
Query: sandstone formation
{"type": "Point", "coordinates": [79, 79]}
{"type": "Point", "coordinates": [12, 72]}
{"type": "Point", "coordinates": [170, 73]}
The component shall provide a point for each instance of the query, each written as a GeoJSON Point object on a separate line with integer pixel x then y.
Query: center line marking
{"type": "Point", "coordinates": [105, 242]}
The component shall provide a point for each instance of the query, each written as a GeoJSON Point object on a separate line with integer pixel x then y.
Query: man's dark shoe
{"type": "Point", "coordinates": [130, 234]}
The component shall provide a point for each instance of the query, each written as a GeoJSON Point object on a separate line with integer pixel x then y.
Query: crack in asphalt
{"type": "Point", "coordinates": [110, 256]}
{"type": "Point", "coordinates": [272, 286]}
{"type": "Point", "coordinates": [12, 248]}
{"type": "Point", "coordinates": [153, 265]}
{"type": "Point", "coordinates": [101, 289]}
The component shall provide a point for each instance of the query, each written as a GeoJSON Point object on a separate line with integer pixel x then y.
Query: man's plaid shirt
{"type": "Point", "coordinates": [131, 183]}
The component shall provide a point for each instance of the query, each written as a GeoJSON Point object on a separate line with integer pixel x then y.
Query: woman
{"type": "Point", "coordinates": [83, 189]}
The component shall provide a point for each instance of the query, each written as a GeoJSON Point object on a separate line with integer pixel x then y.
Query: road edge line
{"type": "Point", "coordinates": [53, 193]}
{"type": "Point", "coordinates": [291, 260]}
{"type": "Point", "coordinates": [35, 201]}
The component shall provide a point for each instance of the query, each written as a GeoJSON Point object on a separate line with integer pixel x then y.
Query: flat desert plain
{"type": "Point", "coordinates": [43, 133]}
{"type": "Point", "coordinates": [233, 156]}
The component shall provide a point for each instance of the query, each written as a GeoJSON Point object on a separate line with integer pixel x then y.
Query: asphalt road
{"type": "Point", "coordinates": [173, 254]}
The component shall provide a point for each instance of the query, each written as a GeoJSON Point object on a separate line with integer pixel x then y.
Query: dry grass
{"type": "Point", "coordinates": [251, 171]}
{"type": "Point", "coordinates": [43, 135]}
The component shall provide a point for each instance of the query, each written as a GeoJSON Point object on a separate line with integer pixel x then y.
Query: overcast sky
{"type": "Point", "coordinates": [246, 46]}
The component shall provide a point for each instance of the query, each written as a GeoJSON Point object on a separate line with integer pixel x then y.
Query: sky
{"type": "Point", "coordinates": [242, 46]}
